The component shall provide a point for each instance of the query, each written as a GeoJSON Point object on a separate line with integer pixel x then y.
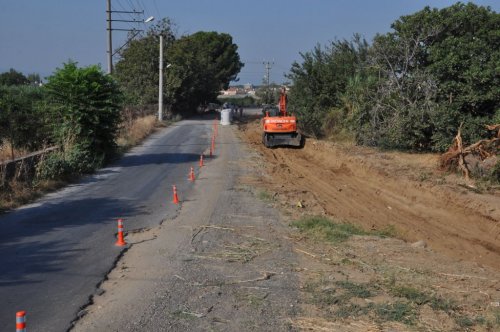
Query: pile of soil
{"type": "Point", "coordinates": [438, 271]}
{"type": "Point", "coordinates": [377, 190]}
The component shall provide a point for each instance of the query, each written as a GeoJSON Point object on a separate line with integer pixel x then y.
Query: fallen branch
{"type": "Point", "coordinates": [265, 276]}
{"type": "Point", "coordinates": [305, 252]}
{"type": "Point", "coordinates": [217, 227]}
{"type": "Point", "coordinates": [203, 227]}
{"type": "Point", "coordinates": [463, 276]}
{"type": "Point", "coordinates": [195, 314]}
{"type": "Point", "coordinates": [483, 149]}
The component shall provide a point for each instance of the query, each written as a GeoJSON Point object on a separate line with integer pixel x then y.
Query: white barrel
{"type": "Point", "coordinates": [225, 117]}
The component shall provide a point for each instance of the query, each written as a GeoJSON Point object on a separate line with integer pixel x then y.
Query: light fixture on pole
{"type": "Point", "coordinates": [134, 34]}
{"type": "Point", "coordinates": [109, 28]}
{"type": "Point", "coordinates": [160, 81]}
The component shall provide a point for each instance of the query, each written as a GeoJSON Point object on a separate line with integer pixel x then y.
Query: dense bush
{"type": "Point", "coordinates": [495, 172]}
{"type": "Point", "coordinates": [320, 81]}
{"type": "Point", "coordinates": [23, 119]}
{"type": "Point", "coordinates": [246, 101]}
{"type": "Point", "coordinates": [53, 167]}
{"type": "Point", "coordinates": [412, 87]}
{"type": "Point", "coordinates": [84, 105]}
{"type": "Point", "coordinates": [200, 65]}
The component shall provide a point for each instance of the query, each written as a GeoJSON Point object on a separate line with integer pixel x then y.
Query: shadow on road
{"type": "Point", "coordinates": [157, 159]}
{"type": "Point", "coordinates": [26, 258]}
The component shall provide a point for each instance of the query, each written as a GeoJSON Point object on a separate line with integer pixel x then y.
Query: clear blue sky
{"type": "Point", "coordinates": [39, 35]}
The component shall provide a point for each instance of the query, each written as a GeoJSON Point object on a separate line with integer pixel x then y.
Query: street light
{"type": "Point", "coordinates": [160, 81]}
{"type": "Point", "coordinates": [134, 34]}
{"type": "Point", "coordinates": [110, 30]}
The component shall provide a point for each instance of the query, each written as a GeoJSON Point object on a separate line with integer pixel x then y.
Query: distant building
{"type": "Point", "coordinates": [238, 91]}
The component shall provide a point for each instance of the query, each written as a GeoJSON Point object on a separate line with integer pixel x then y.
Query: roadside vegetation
{"type": "Point", "coordinates": [91, 117]}
{"type": "Point", "coordinates": [199, 65]}
{"type": "Point", "coordinates": [408, 89]}
{"type": "Point", "coordinates": [347, 287]}
{"type": "Point", "coordinates": [322, 228]}
{"type": "Point", "coordinates": [246, 101]}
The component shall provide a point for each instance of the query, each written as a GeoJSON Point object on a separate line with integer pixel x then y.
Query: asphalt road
{"type": "Point", "coordinates": [54, 253]}
{"type": "Point", "coordinates": [225, 263]}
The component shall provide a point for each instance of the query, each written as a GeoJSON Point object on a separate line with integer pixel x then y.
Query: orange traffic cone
{"type": "Point", "coordinates": [176, 198]}
{"type": "Point", "coordinates": [191, 175]}
{"type": "Point", "coordinates": [21, 321]}
{"type": "Point", "coordinates": [201, 160]}
{"type": "Point", "coordinates": [120, 241]}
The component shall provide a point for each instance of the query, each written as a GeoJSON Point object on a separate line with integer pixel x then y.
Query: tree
{"type": "Point", "coordinates": [320, 80]}
{"type": "Point", "coordinates": [22, 119]}
{"type": "Point", "coordinates": [268, 94]}
{"type": "Point", "coordinates": [34, 79]}
{"type": "Point", "coordinates": [137, 69]}
{"type": "Point", "coordinates": [13, 77]}
{"type": "Point", "coordinates": [402, 102]}
{"type": "Point", "coordinates": [203, 64]}
{"type": "Point", "coordinates": [412, 87]}
{"type": "Point", "coordinates": [85, 106]}
{"type": "Point", "coordinates": [446, 59]}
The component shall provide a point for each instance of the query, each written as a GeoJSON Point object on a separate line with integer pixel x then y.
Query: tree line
{"type": "Point", "coordinates": [200, 65]}
{"type": "Point", "coordinates": [79, 109]}
{"type": "Point", "coordinates": [410, 88]}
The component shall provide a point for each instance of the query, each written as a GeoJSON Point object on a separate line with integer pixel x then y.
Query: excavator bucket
{"type": "Point", "coordinates": [288, 139]}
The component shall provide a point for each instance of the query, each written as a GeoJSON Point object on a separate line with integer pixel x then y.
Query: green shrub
{"type": "Point", "coordinates": [412, 294]}
{"type": "Point", "coordinates": [495, 173]}
{"type": "Point", "coordinates": [82, 161]}
{"type": "Point", "coordinates": [398, 312]}
{"type": "Point", "coordinates": [53, 167]}
{"type": "Point", "coordinates": [23, 118]}
{"type": "Point", "coordinates": [326, 229]}
{"type": "Point", "coordinates": [85, 110]}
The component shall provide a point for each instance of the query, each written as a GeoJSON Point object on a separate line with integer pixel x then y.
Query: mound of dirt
{"type": "Point", "coordinates": [377, 190]}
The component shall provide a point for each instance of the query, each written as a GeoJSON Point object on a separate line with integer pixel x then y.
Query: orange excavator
{"type": "Point", "coordinates": [280, 128]}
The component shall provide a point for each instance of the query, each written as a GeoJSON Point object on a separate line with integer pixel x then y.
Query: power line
{"type": "Point", "coordinates": [267, 65]}
{"type": "Point", "coordinates": [110, 29]}
{"type": "Point", "coordinates": [156, 7]}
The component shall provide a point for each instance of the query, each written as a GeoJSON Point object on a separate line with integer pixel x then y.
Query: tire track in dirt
{"type": "Point", "coordinates": [356, 187]}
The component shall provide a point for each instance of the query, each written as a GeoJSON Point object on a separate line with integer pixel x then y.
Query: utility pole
{"type": "Point", "coordinates": [160, 84]}
{"type": "Point", "coordinates": [110, 42]}
{"type": "Point", "coordinates": [267, 79]}
{"type": "Point", "coordinates": [110, 30]}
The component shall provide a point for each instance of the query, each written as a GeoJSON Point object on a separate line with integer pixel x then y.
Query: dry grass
{"type": "Point", "coordinates": [135, 130]}
{"type": "Point", "coordinates": [240, 252]}
{"type": "Point", "coordinates": [17, 193]}
{"type": "Point", "coordinates": [6, 152]}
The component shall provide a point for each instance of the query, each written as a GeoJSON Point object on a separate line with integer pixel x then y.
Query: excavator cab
{"type": "Point", "coordinates": [270, 110]}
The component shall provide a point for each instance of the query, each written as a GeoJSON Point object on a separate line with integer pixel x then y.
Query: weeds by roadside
{"type": "Point", "coordinates": [341, 300]}
{"type": "Point", "coordinates": [265, 196]}
{"type": "Point", "coordinates": [7, 152]}
{"type": "Point", "coordinates": [17, 193]}
{"type": "Point", "coordinates": [339, 295]}
{"type": "Point", "coordinates": [55, 171]}
{"type": "Point", "coordinates": [325, 229]}
{"type": "Point", "coordinates": [133, 131]}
